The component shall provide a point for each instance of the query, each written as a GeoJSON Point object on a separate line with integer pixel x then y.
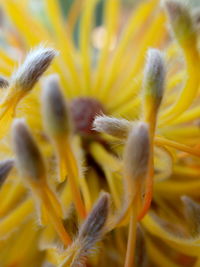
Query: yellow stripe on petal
{"type": "Point", "coordinates": [73, 14]}
{"type": "Point", "coordinates": [160, 141]}
{"type": "Point", "coordinates": [191, 87]}
{"type": "Point", "coordinates": [85, 46]}
{"type": "Point", "coordinates": [111, 22]}
{"type": "Point", "coordinates": [31, 30]}
{"type": "Point", "coordinates": [131, 92]}
{"type": "Point", "coordinates": [175, 188]}
{"type": "Point", "coordinates": [157, 256]}
{"type": "Point", "coordinates": [185, 171]}
{"type": "Point", "coordinates": [15, 218]}
{"type": "Point", "coordinates": [153, 37]}
{"type": "Point", "coordinates": [182, 134]}
{"type": "Point", "coordinates": [6, 63]}
{"type": "Point", "coordinates": [105, 158]}
{"type": "Point", "coordinates": [24, 254]}
{"type": "Point", "coordinates": [188, 116]}
{"type": "Point", "coordinates": [175, 80]}
{"type": "Point", "coordinates": [63, 43]}
{"type": "Point", "coordinates": [110, 165]}
{"type": "Point", "coordinates": [187, 246]}
{"type": "Point", "coordinates": [10, 195]}
{"type": "Point", "coordinates": [138, 18]}
{"type": "Point", "coordinates": [131, 110]}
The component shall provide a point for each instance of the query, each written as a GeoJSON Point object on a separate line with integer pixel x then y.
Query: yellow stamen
{"type": "Point", "coordinates": [109, 165]}
{"type": "Point", "coordinates": [73, 175]}
{"type": "Point", "coordinates": [130, 252]}
{"type": "Point", "coordinates": [53, 215]}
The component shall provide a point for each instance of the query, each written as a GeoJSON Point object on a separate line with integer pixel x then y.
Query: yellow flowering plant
{"type": "Point", "coordinates": [99, 140]}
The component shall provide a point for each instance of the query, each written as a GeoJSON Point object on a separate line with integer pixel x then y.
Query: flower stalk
{"type": "Point", "coordinates": [136, 162]}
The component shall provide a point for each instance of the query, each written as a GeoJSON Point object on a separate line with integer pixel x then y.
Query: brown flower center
{"type": "Point", "coordinates": [84, 110]}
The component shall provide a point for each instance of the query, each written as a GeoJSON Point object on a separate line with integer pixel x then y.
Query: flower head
{"type": "Point", "coordinates": [111, 115]}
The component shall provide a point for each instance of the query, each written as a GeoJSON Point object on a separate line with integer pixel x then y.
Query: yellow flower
{"type": "Point", "coordinates": [147, 112]}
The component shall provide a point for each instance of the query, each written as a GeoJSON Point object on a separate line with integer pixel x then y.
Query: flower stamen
{"type": "Point", "coordinates": [58, 126]}
{"type": "Point", "coordinates": [31, 166]}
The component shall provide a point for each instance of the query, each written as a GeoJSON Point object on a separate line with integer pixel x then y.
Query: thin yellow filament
{"type": "Point", "coordinates": [73, 175]}
{"type": "Point", "coordinates": [53, 216]}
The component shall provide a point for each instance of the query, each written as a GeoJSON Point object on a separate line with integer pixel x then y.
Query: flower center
{"type": "Point", "coordinates": [84, 110]}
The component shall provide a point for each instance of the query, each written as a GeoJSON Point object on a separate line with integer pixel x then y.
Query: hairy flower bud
{"type": "Point", "coordinates": [180, 19]}
{"type": "Point", "coordinates": [196, 18]}
{"type": "Point", "coordinates": [154, 77]}
{"type": "Point", "coordinates": [90, 233]}
{"type": "Point", "coordinates": [3, 82]}
{"type": "Point", "coordinates": [5, 168]}
{"type": "Point", "coordinates": [115, 127]}
{"type": "Point", "coordinates": [137, 151]}
{"type": "Point", "coordinates": [92, 228]}
{"type": "Point", "coordinates": [28, 157]}
{"type": "Point", "coordinates": [55, 111]}
{"type": "Point", "coordinates": [34, 65]}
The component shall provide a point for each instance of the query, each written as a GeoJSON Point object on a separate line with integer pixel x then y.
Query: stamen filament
{"type": "Point", "coordinates": [54, 201]}
{"type": "Point", "coordinates": [130, 252]}
{"type": "Point", "coordinates": [73, 174]}
{"type": "Point", "coordinates": [53, 216]}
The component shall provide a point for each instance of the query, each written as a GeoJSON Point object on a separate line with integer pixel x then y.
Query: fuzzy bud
{"type": "Point", "coordinates": [55, 111]}
{"type": "Point", "coordinates": [92, 228]}
{"type": "Point", "coordinates": [91, 231]}
{"type": "Point", "coordinates": [196, 19]}
{"type": "Point", "coordinates": [35, 64]}
{"type": "Point", "coordinates": [154, 77]}
{"type": "Point", "coordinates": [137, 151]}
{"type": "Point", "coordinates": [28, 157]}
{"type": "Point", "coordinates": [180, 19]}
{"type": "Point", "coordinates": [3, 82]}
{"type": "Point", "coordinates": [115, 127]}
{"type": "Point", "coordinates": [5, 168]}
